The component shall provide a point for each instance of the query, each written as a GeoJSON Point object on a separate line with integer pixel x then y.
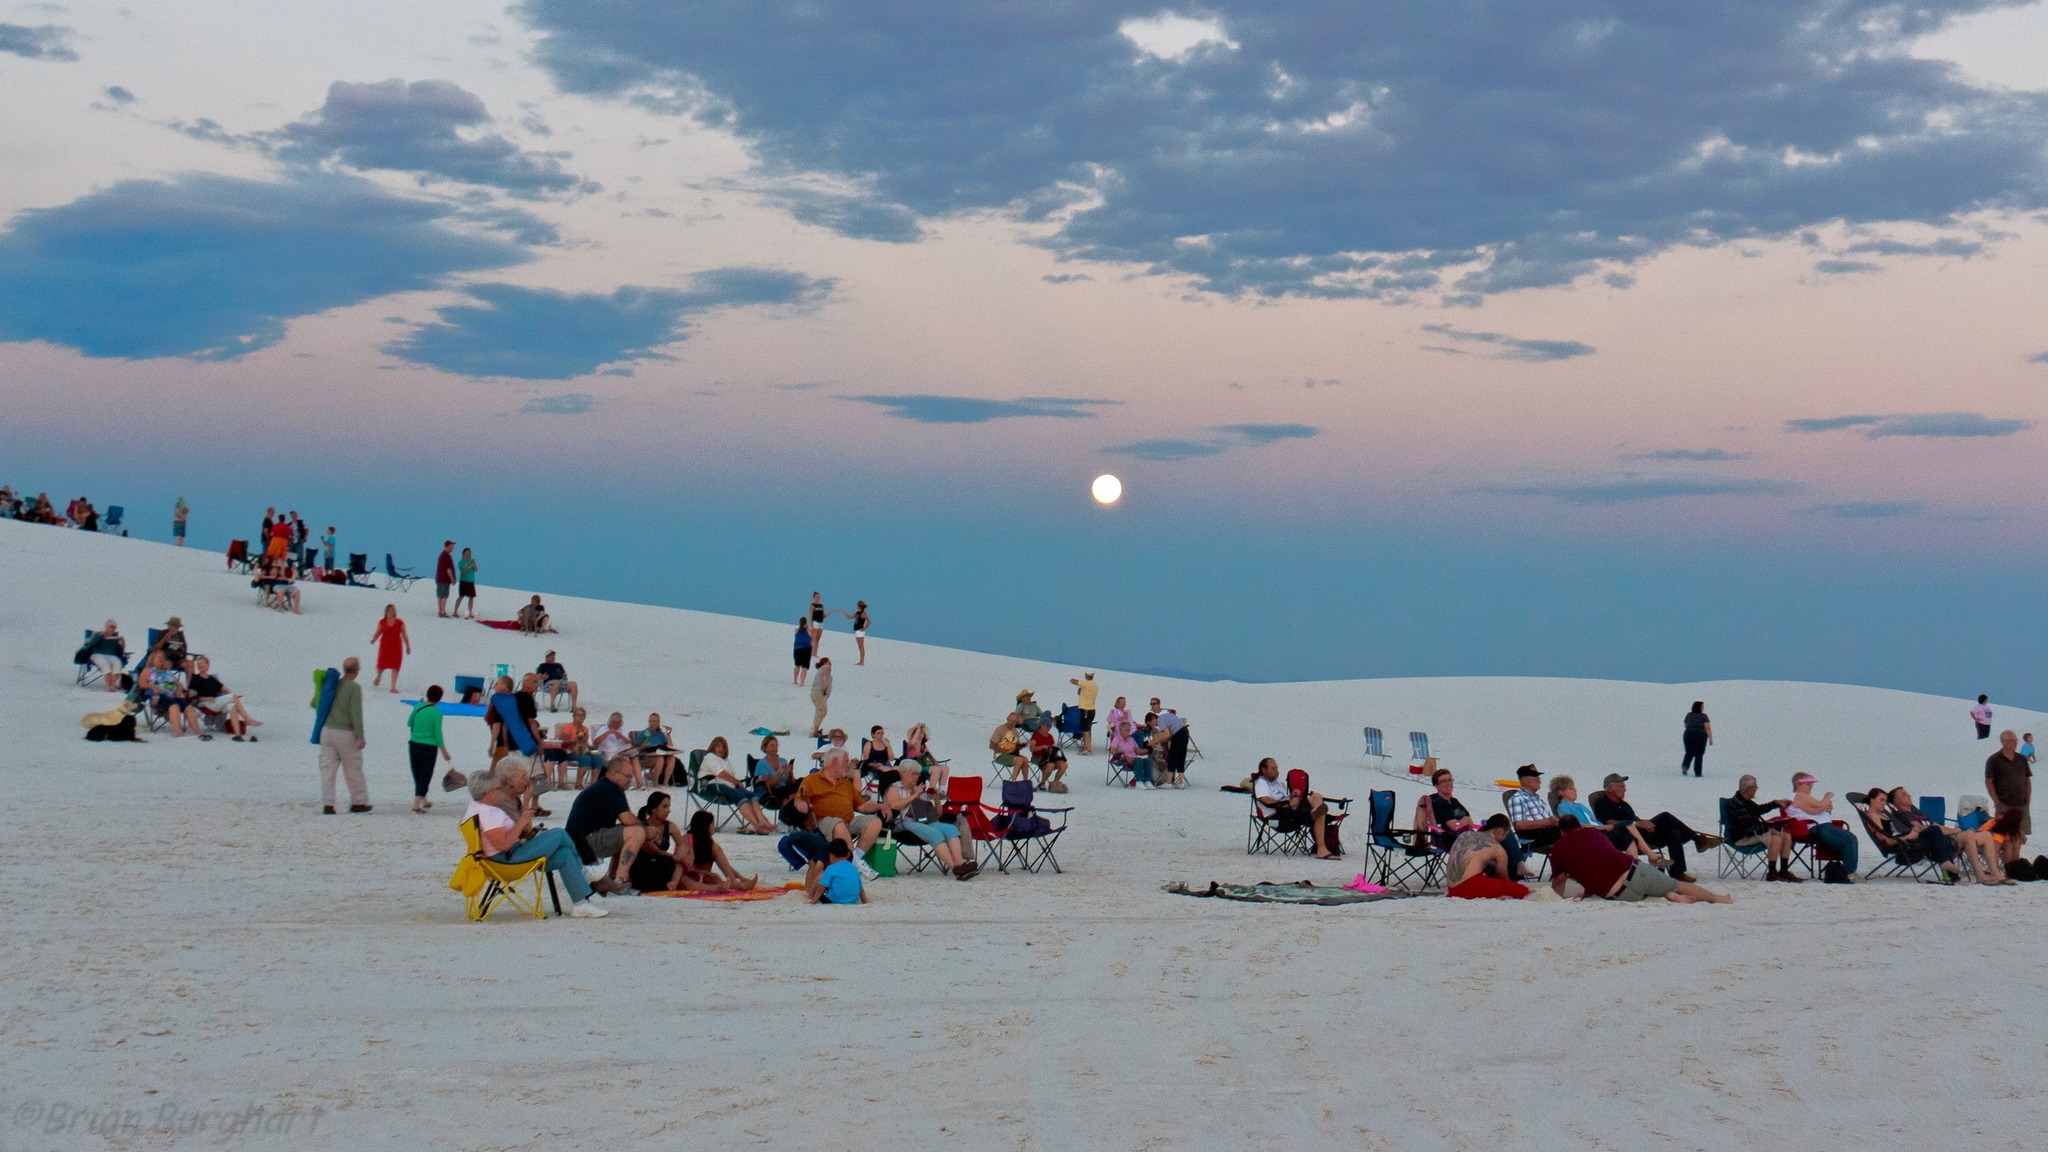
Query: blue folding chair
{"type": "Point", "coordinates": [395, 580]}
{"type": "Point", "coordinates": [1935, 808]}
{"type": "Point", "coordinates": [1737, 859]}
{"type": "Point", "coordinates": [1069, 729]}
{"type": "Point", "coordinates": [1418, 744]}
{"type": "Point", "coordinates": [1376, 748]}
{"type": "Point", "coordinates": [112, 520]}
{"type": "Point", "coordinates": [1393, 862]}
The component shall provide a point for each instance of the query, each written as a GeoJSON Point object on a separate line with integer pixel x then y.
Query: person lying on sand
{"type": "Point", "coordinates": [1604, 871]}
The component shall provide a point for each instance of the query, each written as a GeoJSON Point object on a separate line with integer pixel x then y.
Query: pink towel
{"type": "Point", "coordinates": [1360, 884]}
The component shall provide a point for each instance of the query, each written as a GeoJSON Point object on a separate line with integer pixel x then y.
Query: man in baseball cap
{"type": "Point", "coordinates": [1535, 825]}
{"type": "Point", "coordinates": [1660, 831]}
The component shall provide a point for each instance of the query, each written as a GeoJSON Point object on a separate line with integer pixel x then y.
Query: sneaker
{"type": "Point", "coordinates": [359, 807]}
{"type": "Point", "coordinates": [585, 910]}
{"type": "Point", "coordinates": [327, 810]}
{"type": "Point", "coordinates": [866, 873]}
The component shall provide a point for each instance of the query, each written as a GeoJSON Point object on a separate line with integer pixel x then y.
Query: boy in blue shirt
{"type": "Point", "coordinates": [840, 882]}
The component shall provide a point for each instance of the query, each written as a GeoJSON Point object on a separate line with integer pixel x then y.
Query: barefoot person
{"type": "Point", "coordinates": [393, 643]}
{"type": "Point", "coordinates": [2010, 780]}
{"type": "Point", "coordinates": [860, 630]}
{"type": "Point", "coordinates": [801, 650]}
{"type": "Point", "coordinates": [465, 583]}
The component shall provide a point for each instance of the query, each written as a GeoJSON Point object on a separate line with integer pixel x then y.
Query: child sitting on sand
{"type": "Point", "coordinates": [839, 883]}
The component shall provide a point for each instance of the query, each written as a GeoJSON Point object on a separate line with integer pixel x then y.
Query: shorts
{"type": "Point", "coordinates": [803, 657]}
{"type": "Point", "coordinates": [441, 589]}
{"type": "Point", "coordinates": [1645, 882]}
{"type": "Point", "coordinates": [860, 633]}
{"type": "Point", "coordinates": [466, 588]}
{"type": "Point", "coordinates": [854, 827]}
{"type": "Point", "coordinates": [607, 841]}
{"type": "Point", "coordinates": [107, 664]}
{"type": "Point", "coordinates": [920, 832]}
{"type": "Point", "coordinates": [178, 529]}
{"type": "Point", "coordinates": [1009, 759]}
{"type": "Point", "coordinates": [1087, 719]}
{"type": "Point", "coordinates": [1753, 840]}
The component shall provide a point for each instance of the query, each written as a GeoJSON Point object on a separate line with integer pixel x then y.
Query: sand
{"type": "Point", "coordinates": [195, 957]}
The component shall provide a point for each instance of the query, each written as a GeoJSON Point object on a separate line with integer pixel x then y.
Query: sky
{"type": "Point", "coordinates": [1568, 338]}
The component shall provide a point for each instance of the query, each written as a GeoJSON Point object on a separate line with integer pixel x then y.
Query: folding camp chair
{"type": "Point", "coordinates": [87, 670]}
{"type": "Point", "coordinates": [488, 884]}
{"type": "Point", "coordinates": [465, 686]}
{"type": "Point", "coordinates": [1026, 834]}
{"type": "Point", "coordinates": [1392, 861]}
{"type": "Point", "coordinates": [359, 570]}
{"type": "Point", "coordinates": [1119, 771]}
{"type": "Point", "coordinates": [1267, 834]}
{"type": "Point", "coordinates": [1418, 745]}
{"type": "Point", "coordinates": [395, 580]}
{"type": "Point", "coordinates": [238, 557]}
{"type": "Point", "coordinates": [145, 706]}
{"type": "Point", "coordinates": [1935, 808]}
{"type": "Point", "coordinates": [963, 802]}
{"type": "Point", "coordinates": [702, 794]}
{"type": "Point", "coordinates": [1069, 730]}
{"type": "Point", "coordinates": [1894, 857]}
{"type": "Point", "coordinates": [1375, 748]}
{"type": "Point", "coordinates": [112, 521]}
{"type": "Point", "coordinates": [1529, 847]}
{"type": "Point", "coordinates": [1737, 859]}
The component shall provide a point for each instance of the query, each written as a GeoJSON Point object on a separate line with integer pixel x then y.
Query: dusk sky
{"type": "Point", "coordinates": [1636, 340]}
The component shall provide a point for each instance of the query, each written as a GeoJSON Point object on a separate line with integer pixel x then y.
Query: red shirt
{"type": "Point", "coordinates": [1588, 856]}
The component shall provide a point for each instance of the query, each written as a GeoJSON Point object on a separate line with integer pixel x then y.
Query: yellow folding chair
{"type": "Point", "coordinates": [487, 884]}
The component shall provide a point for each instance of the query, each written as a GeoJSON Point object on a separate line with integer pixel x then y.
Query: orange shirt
{"type": "Point", "coordinates": [828, 798]}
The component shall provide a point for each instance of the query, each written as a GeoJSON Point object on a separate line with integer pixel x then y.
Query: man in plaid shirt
{"type": "Point", "coordinates": [1535, 824]}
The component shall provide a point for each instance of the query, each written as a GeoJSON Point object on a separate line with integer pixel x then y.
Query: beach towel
{"type": "Point", "coordinates": [768, 732]}
{"type": "Point", "coordinates": [502, 625]}
{"type": "Point", "coordinates": [1300, 892]}
{"type": "Point", "coordinates": [507, 708]}
{"type": "Point", "coordinates": [450, 708]}
{"type": "Point", "coordinates": [732, 897]}
{"type": "Point", "coordinates": [326, 682]}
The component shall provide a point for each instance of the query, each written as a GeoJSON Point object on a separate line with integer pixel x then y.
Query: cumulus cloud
{"type": "Point", "coordinates": [850, 214]}
{"type": "Point", "coordinates": [1510, 347]}
{"type": "Point", "coordinates": [1921, 424]}
{"type": "Point", "coordinates": [566, 404]}
{"type": "Point", "coordinates": [540, 334]}
{"type": "Point", "coordinates": [1221, 438]}
{"type": "Point", "coordinates": [1319, 148]}
{"type": "Point", "coordinates": [215, 266]}
{"type": "Point", "coordinates": [41, 42]}
{"type": "Point", "coordinates": [925, 408]}
{"type": "Point", "coordinates": [1692, 455]}
{"type": "Point", "coordinates": [418, 128]}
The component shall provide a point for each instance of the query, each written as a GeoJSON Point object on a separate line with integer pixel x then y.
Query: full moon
{"type": "Point", "coordinates": [1107, 489]}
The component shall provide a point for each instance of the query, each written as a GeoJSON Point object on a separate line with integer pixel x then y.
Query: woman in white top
{"type": "Point", "coordinates": [613, 744]}
{"type": "Point", "coordinates": [716, 779]}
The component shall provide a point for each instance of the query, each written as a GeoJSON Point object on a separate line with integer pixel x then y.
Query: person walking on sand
{"type": "Point", "coordinates": [393, 646]}
{"type": "Point", "coordinates": [821, 695]}
{"type": "Point", "coordinates": [1981, 713]}
{"type": "Point", "coordinates": [342, 740]}
{"type": "Point", "coordinates": [818, 614]}
{"type": "Point", "coordinates": [180, 512]}
{"type": "Point", "coordinates": [1699, 732]}
{"type": "Point", "coordinates": [802, 652]}
{"type": "Point", "coordinates": [465, 583]}
{"type": "Point", "coordinates": [424, 742]}
{"type": "Point", "coordinates": [444, 577]}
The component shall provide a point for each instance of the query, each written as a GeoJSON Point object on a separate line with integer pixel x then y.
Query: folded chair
{"type": "Point", "coordinates": [1265, 833]}
{"type": "Point", "coordinates": [1895, 857]}
{"type": "Point", "coordinates": [1390, 859]}
{"type": "Point", "coordinates": [1737, 859]}
{"type": "Point", "coordinates": [1376, 749]}
{"type": "Point", "coordinates": [1025, 833]}
{"type": "Point", "coordinates": [487, 884]}
{"type": "Point", "coordinates": [395, 580]}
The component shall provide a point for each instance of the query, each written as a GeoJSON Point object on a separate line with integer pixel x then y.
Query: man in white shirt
{"type": "Point", "coordinates": [1292, 807]}
{"type": "Point", "coordinates": [500, 835]}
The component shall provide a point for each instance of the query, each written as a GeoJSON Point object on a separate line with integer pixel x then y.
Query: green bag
{"type": "Point", "coordinates": [882, 857]}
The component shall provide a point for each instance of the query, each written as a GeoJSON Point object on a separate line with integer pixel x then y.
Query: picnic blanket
{"type": "Point", "coordinates": [732, 897]}
{"type": "Point", "coordinates": [502, 625]}
{"type": "Point", "coordinates": [1300, 892]}
{"type": "Point", "coordinates": [451, 708]}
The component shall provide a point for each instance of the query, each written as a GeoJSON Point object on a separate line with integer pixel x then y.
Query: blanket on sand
{"type": "Point", "coordinates": [1300, 892]}
{"type": "Point", "coordinates": [732, 897]}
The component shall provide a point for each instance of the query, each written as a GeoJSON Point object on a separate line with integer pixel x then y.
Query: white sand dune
{"type": "Point", "coordinates": [187, 939]}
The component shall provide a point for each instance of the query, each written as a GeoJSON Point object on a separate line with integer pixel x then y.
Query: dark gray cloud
{"type": "Point", "coordinates": [1870, 509]}
{"type": "Point", "coordinates": [417, 128]}
{"type": "Point", "coordinates": [2038, 358]}
{"type": "Point", "coordinates": [1691, 455]}
{"type": "Point", "coordinates": [214, 267]}
{"type": "Point", "coordinates": [1845, 267]}
{"type": "Point", "coordinates": [1950, 246]}
{"type": "Point", "coordinates": [1328, 148]}
{"type": "Point", "coordinates": [860, 217]}
{"type": "Point", "coordinates": [40, 42]}
{"type": "Point", "coordinates": [119, 95]}
{"type": "Point", "coordinates": [566, 404]}
{"type": "Point", "coordinates": [1510, 347]}
{"type": "Point", "coordinates": [506, 330]}
{"type": "Point", "coordinates": [925, 408]}
{"type": "Point", "coordinates": [1221, 438]}
{"type": "Point", "coordinates": [1637, 489]}
{"type": "Point", "coordinates": [1920, 424]}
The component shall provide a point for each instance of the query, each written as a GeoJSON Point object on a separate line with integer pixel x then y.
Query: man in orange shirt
{"type": "Point", "coordinates": [838, 809]}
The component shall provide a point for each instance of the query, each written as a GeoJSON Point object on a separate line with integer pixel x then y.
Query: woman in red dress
{"type": "Point", "coordinates": [393, 645]}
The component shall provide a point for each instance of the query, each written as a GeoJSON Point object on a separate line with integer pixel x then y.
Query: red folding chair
{"type": "Point", "coordinates": [963, 799]}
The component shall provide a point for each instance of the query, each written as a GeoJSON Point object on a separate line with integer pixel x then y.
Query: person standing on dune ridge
{"type": "Point", "coordinates": [1981, 713]}
{"type": "Point", "coordinates": [1699, 732]}
{"type": "Point", "coordinates": [180, 512]}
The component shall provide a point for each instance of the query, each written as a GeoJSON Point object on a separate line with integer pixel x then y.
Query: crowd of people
{"type": "Point", "coordinates": [172, 686]}
{"type": "Point", "coordinates": [79, 512]}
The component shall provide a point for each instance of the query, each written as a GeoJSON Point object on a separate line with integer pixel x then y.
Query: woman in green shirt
{"type": "Point", "coordinates": [425, 726]}
{"type": "Point", "coordinates": [465, 583]}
